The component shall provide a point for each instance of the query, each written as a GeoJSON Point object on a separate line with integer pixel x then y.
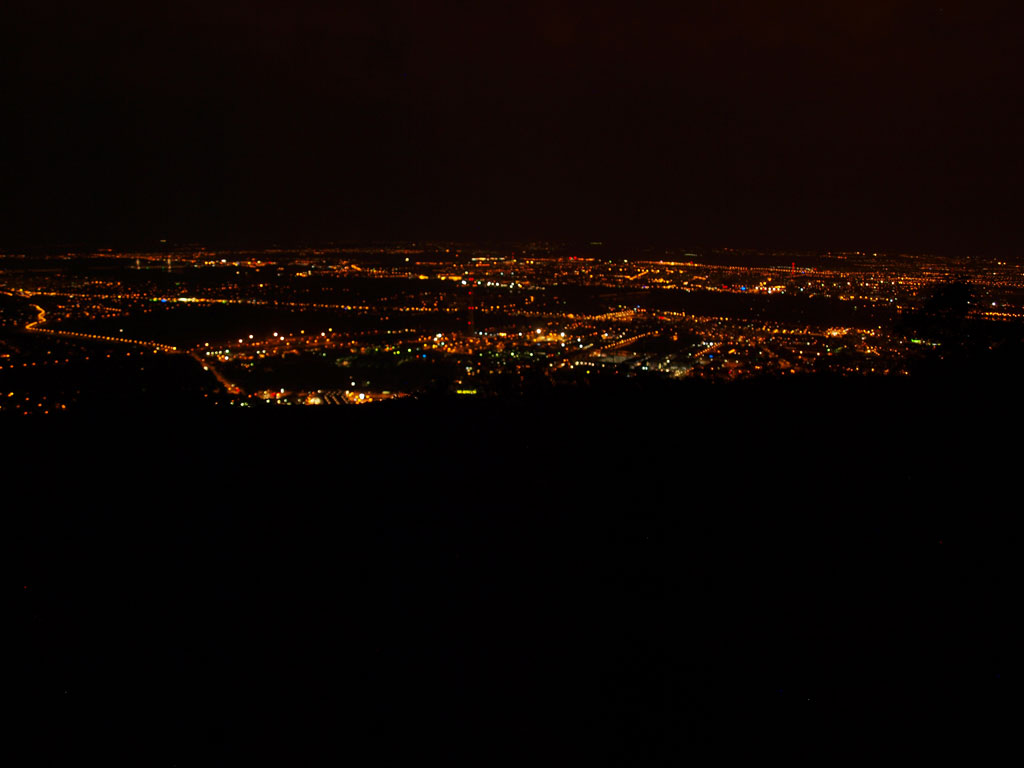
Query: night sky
{"type": "Point", "coordinates": [879, 125]}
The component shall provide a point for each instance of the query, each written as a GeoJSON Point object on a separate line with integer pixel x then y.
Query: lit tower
{"type": "Point", "coordinates": [472, 308]}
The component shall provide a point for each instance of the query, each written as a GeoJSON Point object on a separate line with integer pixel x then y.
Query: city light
{"type": "Point", "coordinates": [633, 318]}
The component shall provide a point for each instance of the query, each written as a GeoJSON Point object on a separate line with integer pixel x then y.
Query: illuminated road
{"type": "Point", "coordinates": [231, 387]}
{"type": "Point", "coordinates": [41, 318]}
{"type": "Point", "coordinates": [33, 326]}
{"type": "Point", "coordinates": [707, 351]}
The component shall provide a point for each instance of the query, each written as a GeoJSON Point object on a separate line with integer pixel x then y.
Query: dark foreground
{"type": "Point", "coordinates": [797, 571]}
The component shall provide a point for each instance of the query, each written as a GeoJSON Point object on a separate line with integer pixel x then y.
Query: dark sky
{"type": "Point", "coordinates": [880, 125]}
